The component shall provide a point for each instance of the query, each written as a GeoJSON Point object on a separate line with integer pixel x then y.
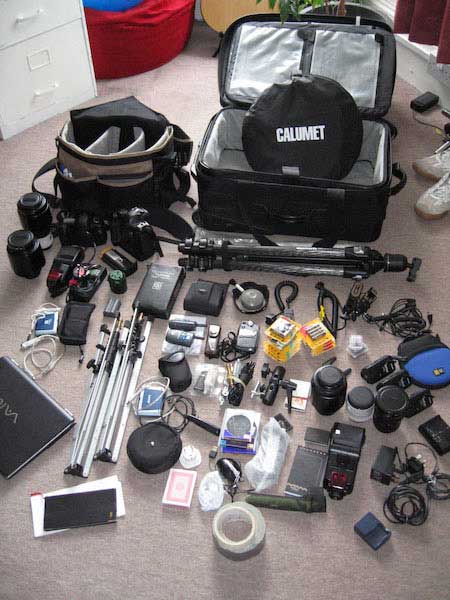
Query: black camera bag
{"type": "Point", "coordinates": [258, 51]}
{"type": "Point", "coordinates": [118, 155]}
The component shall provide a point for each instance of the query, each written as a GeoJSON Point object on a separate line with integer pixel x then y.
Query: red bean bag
{"type": "Point", "coordinates": [139, 39]}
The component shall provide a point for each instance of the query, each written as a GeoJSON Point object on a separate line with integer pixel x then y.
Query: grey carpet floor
{"type": "Point", "coordinates": [156, 552]}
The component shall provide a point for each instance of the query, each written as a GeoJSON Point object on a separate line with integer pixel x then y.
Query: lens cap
{"type": "Point", "coordinates": [176, 367]}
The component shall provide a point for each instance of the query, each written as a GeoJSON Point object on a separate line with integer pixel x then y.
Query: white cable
{"type": "Point", "coordinates": [53, 358]}
{"type": "Point", "coordinates": [163, 381]}
{"type": "Point", "coordinates": [33, 342]}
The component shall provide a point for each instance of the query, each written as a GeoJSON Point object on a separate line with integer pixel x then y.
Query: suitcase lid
{"type": "Point", "coordinates": [258, 50]}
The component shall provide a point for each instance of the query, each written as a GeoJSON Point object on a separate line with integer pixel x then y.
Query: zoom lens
{"type": "Point", "coordinates": [35, 216]}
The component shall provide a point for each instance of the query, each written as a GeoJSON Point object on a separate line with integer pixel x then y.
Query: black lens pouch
{"type": "Point", "coordinates": [205, 297]}
{"type": "Point", "coordinates": [74, 323]}
{"type": "Point", "coordinates": [176, 367]}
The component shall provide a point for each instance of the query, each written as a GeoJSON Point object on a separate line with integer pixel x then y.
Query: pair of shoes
{"type": "Point", "coordinates": [435, 202]}
{"type": "Point", "coordinates": [433, 167]}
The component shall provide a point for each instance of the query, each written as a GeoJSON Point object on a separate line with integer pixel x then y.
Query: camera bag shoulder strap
{"type": "Point", "coordinates": [49, 166]}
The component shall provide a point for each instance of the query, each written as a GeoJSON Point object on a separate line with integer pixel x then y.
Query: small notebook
{"type": "Point", "coordinates": [81, 509]}
{"type": "Point", "coordinates": [307, 471]}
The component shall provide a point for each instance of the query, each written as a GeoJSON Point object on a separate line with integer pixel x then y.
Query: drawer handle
{"type": "Point", "coordinates": [48, 90]}
{"type": "Point", "coordinates": [21, 18]}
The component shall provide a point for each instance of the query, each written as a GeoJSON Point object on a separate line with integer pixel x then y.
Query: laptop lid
{"type": "Point", "coordinates": [30, 420]}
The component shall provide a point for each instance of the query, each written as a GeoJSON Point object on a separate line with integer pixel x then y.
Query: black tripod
{"type": "Point", "coordinates": [353, 262]}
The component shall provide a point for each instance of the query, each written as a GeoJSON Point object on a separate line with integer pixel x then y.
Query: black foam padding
{"type": "Point", "coordinates": [309, 127]}
{"type": "Point", "coordinates": [154, 448]}
{"type": "Point", "coordinates": [126, 113]}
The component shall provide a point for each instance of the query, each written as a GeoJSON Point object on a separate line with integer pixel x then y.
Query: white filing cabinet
{"type": "Point", "coordinates": [45, 61]}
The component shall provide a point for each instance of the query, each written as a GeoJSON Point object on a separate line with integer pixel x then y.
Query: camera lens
{"type": "Point", "coordinates": [390, 405]}
{"type": "Point", "coordinates": [35, 216]}
{"type": "Point", "coordinates": [328, 387]}
{"type": "Point", "coordinates": [25, 254]}
{"type": "Point", "coordinates": [360, 404]}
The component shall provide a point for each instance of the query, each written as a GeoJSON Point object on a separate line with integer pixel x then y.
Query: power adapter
{"type": "Point", "coordinates": [424, 102]}
{"type": "Point", "coordinates": [383, 467]}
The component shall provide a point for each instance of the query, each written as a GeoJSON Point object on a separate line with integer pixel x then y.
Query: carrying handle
{"type": "Point", "coordinates": [400, 174]}
{"type": "Point", "coordinates": [194, 162]}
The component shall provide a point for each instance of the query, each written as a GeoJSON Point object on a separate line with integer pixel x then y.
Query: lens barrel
{"type": "Point", "coordinates": [328, 387]}
{"type": "Point", "coordinates": [25, 254]}
{"type": "Point", "coordinates": [35, 216]}
{"type": "Point", "coordinates": [390, 406]}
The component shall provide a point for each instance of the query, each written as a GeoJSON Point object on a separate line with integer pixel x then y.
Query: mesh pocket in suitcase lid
{"type": "Point", "coordinates": [351, 59]}
{"type": "Point", "coordinates": [255, 65]}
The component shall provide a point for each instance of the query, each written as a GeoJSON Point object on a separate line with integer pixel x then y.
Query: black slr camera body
{"type": "Point", "coordinates": [132, 231]}
{"type": "Point", "coordinates": [344, 451]}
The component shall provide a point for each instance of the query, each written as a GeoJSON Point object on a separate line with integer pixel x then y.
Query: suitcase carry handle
{"type": "Point", "coordinates": [194, 162]}
{"type": "Point", "coordinates": [400, 174]}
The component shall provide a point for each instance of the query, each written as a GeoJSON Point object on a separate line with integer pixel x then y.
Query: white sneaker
{"type": "Point", "coordinates": [433, 167]}
{"type": "Point", "coordinates": [435, 202]}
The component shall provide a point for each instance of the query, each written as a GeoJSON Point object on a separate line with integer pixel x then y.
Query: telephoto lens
{"type": "Point", "coordinates": [25, 254]}
{"type": "Point", "coordinates": [360, 404]}
{"type": "Point", "coordinates": [328, 387]}
{"type": "Point", "coordinates": [390, 406]}
{"type": "Point", "coordinates": [35, 216]}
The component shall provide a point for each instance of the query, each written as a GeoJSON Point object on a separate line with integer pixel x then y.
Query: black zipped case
{"type": "Point", "coordinates": [258, 51]}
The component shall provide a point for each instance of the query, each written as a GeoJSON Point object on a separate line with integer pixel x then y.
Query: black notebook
{"type": "Point", "coordinates": [307, 471]}
{"type": "Point", "coordinates": [80, 509]}
{"type": "Point", "coordinates": [30, 420]}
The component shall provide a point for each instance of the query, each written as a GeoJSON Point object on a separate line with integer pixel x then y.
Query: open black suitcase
{"type": "Point", "coordinates": [257, 51]}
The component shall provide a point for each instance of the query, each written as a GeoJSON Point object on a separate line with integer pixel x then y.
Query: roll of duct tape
{"type": "Point", "coordinates": [252, 543]}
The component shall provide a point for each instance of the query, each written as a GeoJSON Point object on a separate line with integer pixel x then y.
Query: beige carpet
{"type": "Point", "coordinates": [163, 553]}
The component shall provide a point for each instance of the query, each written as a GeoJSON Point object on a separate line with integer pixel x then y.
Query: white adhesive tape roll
{"type": "Point", "coordinates": [252, 543]}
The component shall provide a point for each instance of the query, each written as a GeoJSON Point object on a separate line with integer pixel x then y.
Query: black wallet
{"type": "Point", "coordinates": [205, 297]}
{"type": "Point", "coordinates": [80, 509]}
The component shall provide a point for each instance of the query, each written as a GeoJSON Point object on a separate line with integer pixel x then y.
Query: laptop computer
{"type": "Point", "coordinates": [30, 420]}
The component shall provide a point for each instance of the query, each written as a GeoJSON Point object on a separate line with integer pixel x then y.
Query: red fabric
{"type": "Point", "coordinates": [139, 39]}
{"type": "Point", "coordinates": [427, 22]}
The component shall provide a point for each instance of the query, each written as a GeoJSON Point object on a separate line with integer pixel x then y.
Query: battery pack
{"type": "Point", "coordinates": [159, 290]}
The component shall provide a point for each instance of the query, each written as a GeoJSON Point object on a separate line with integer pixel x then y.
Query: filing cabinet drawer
{"type": "Point", "coordinates": [22, 19]}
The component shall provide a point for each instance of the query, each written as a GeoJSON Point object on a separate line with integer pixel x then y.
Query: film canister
{"type": "Point", "coordinates": [360, 403]}
{"type": "Point", "coordinates": [25, 254]}
{"type": "Point", "coordinates": [390, 406]}
{"type": "Point", "coordinates": [117, 282]}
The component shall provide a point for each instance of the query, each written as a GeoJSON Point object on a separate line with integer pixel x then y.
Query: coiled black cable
{"type": "Point", "coordinates": [405, 505]}
{"type": "Point", "coordinates": [227, 349]}
{"type": "Point", "coordinates": [290, 299]}
{"type": "Point", "coordinates": [403, 320]}
{"type": "Point", "coordinates": [333, 325]}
